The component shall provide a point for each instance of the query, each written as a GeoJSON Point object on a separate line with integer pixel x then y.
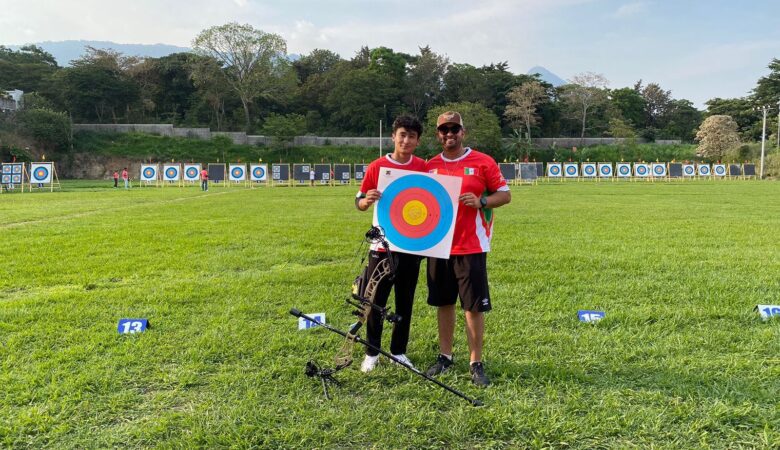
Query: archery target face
{"type": "Point", "coordinates": [417, 211]}
{"type": "Point", "coordinates": [624, 170]}
{"type": "Point", "coordinates": [171, 173]}
{"type": "Point", "coordinates": [6, 178]}
{"type": "Point", "coordinates": [258, 172]}
{"type": "Point", "coordinates": [554, 170]}
{"type": "Point", "coordinates": [641, 170]}
{"type": "Point", "coordinates": [17, 168]}
{"type": "Point", "coordinates": [148, 173]}
{"type": "Point", "coordinates": [659, 170]}
{"type": "Point", "coordinates": [571, 170]}
{"type": "Point", "coordinates": [704, 169]}
{"type": "Point", "coordinates": [719, 169]}
{"type": "Point", "coordinates": [237, 173]}
{"type": "Point", "coordinates": [589, 170]}
{"type": "Point", "coordinates": [689, 170]}
{"type": "Point", "coordinates": [605, 170]}
{"type": "Point", "coordinates": [7, 168]}
{"type": "Point", "coordinates": [191, 172]}
{"type": "Point", "coordinates": [41, 173]}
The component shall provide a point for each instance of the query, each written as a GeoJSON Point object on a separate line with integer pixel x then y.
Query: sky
{"type": "Point", "coordinates": [697, 49]}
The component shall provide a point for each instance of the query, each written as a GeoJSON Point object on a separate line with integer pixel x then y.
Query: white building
{"type": "Point", "coordinates": [11, 101]}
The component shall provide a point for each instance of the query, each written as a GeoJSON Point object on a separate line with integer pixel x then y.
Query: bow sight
{"type": "Point", "coordinates": [363, 295]}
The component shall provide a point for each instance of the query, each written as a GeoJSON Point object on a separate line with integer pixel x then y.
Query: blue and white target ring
{"type": "Point", "coordinates": [589, 170]}
{"type": "Point", "coordinates": [191, 173]}
{"type": "Point", "coordinates": [40, 174]}
{"type": "Point", "coordinates": [171, 173]}
{"type": "Point", "coordinates": [704, 169]}
{"type": "Point", "coordinates": [641, 170]}
{"type": "Point", "coordinates": [258, 173]}
{"type": "Point", "coordinates": [555, 170]}
{"type": "Point", "coordinates": [17, 168]}
{"type": "Point", "coordinates": [149, 173]}
{"type": "Point", "coordinates": [605, 170]}
{"type": "Point", "coordinates": [720, 170]}
{"type": "Point", "coordinates": [689, 170]}
{"type": "Point", "coordinates": [624, 170]}
{"type": "Point", "coordinates": [237, 173]}
{"type": "Point", "coordinates": [416, 213]}
{"type": "Point", "coordinates": [7, 169]}
{"type": "Point", "coordinates": [659, 170]}
{"type": "Point", "coordinates": [571, 170]}
{"type": "Point", "coordinates": [6, 178]}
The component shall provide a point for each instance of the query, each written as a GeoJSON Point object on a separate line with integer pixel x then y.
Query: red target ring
{"type": "Point", "coordinates": [428, 224]}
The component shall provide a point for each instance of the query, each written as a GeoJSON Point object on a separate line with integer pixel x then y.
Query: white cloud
{"type": "Point", "coordinates": [630, 9]}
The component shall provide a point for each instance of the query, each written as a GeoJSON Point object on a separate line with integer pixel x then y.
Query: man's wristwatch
{"type": "Point", "coordinates": [483, 202]}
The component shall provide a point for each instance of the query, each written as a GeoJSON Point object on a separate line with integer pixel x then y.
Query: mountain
{"type": "Point", "coordinates": [66, 51]}
{"type": "Point", "coordinates": [547, 76]}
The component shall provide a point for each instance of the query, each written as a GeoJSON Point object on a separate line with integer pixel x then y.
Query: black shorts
{"type": "Point", "coordinates": [463, 276]}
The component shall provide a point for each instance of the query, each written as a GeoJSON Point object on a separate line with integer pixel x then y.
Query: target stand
{"type": "Point", "coordinates": [13, 176]}
{"type": "Point", "coordinates": [258, 175]}
{"type": "Point", "coordinates": [43, 174]}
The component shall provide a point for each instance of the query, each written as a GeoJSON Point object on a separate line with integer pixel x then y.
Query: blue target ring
{"type": "Point", "coordinates": [237, 172]}
{"type": "Point", "coordinates": [641, 170]}
{"type": "Point", "coordinates": [555, 170]}
{"type": "Point", "coordinates": [571, 170]}
{"type": "Point", "coordinates": [258, 172]}
{"type": "Point", "coordinates": [590, 170]}
{"type": "Point", "coordinates": [444, 204]}
{"type": "Point", "coordinates": [606, 170]}
{"type": "Point", "coordinates": [40, 173]}
{"type": "Point", "coordinates": [689, 170]}
{"type": "Point", "coordinates": [149, 173]}
{"type": "Point", "coordinates": [171, 172]}
{"type": "Point", "coordinates": [704, 170]}
{"type": "Point", "coordinates": [659, 170]}
{"type": "Point", "coordinates": [720, 170]}
{"type": "Point", "coordinates": [624, 170]}
{"type": "Point", "coordinates": [191, 172]}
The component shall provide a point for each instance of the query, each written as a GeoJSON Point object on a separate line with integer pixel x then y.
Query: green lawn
{"type": "Point", "coordinates": [681, 361]}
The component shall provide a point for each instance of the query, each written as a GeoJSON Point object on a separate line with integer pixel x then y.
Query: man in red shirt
{"type": "Point", "coordinates": [204, 180]}
{"type": "Point", "coordinates": [126, 177]}
{"type": "Point", "coordinates": [464, 274]}
{"type": "Point", "coordinates": [406, 137]}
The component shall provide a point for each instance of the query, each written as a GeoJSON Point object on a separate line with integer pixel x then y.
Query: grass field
{"type": "Point", "coordinates": [681, 361]}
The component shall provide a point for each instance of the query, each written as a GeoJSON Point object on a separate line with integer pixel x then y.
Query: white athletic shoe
{"type": "Point", "coordinates": [403, 359]}
{"type": "Point", "coordinates": [369, 363]}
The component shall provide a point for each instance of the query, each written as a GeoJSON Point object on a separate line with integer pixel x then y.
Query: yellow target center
{"type": "Point", "coordinates": [415, 212]}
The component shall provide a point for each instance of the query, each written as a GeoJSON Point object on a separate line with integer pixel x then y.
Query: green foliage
{"type": "Point", "coordinates": [162, 148]}
{"type": "Point", "coordinates": [28, 69]}
{"type": "Point", "coordinates": [680, 361]}
{"type": "Point", "coordinates": [482, 128]}
{"type": "Point", "coordinates": [50, 130]}
{"type": "Point", "coordinates": [284, 128]}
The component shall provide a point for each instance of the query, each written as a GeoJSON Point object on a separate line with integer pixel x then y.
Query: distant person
{"type": "Point", "coordinates": [406, 136]}
{"type": "Point", "coordinates": [116, 179]}
{"type": "Point", "coordinates": [204, 180]}
{"type": "Point", "coordinates": [126, 178]}
{"type": "Point", "coordinates": [311, 177]}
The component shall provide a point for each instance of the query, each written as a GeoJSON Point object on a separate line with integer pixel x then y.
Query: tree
{"type": "Point", "coordinates": [254, 63]}
{"type": "Point", "coordinates": [50, 130]}
{"type": "Point", "coordinates": [27, 69]}
{"type": "Point", "coordinates": [284, 128]}
{"type": "Point", "coordinates": [767, 90]}
{"type": "Point", "coordinates": [682, 119]}
{"type": "Point", "coordinates": [585, 91]}
{"type": "Point", "coordinates": [741, 110]}
{"type": "Point", "coordinates": [424, 81]}
{"type": "Point", "coordinates": [522, 102]}
{"type": "Point", "coordinates": [359, 99]}
{"type": "Point", "coordinates": [630, 104]}
{"type": "Point", "coordinates": [716, 135]}
{"type": "Point", "coordinates": [482, 127]}
{"type": "Point", "coordinates": [657, 103]}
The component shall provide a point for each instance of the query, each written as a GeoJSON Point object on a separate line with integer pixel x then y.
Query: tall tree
{"type": "Point", "coordinates": [657, 103]}
{"type": "Point", "coordinates": [523, 102]}
{"type": "Point", "coordinates": [424, 81]}
{"type": "Point", "coordinates": [716, 136]}
{"type": "Point", "coordinates": [630, 104]}
{"type": "Point", "coordinates": [254, 62]}
{"type": "Point", "coordinates": [27, 69]}
{"type": "Point", "coordinates": [739, 109]}
{"type": "Point", "coordinates": [681, 119]}
{"type": "Point", "coordinates": [585, 92]}
{"type": "Point", "coordinates": [767, 90]}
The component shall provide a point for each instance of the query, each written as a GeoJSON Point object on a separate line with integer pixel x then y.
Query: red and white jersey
{"type": "Point", "coordinates": [481, 176]}
{"type": "Point", "coordinates": [371, 179]}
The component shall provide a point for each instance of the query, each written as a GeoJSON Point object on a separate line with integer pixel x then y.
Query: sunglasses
{"type": "Point", "coordinates": [444, 129]}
